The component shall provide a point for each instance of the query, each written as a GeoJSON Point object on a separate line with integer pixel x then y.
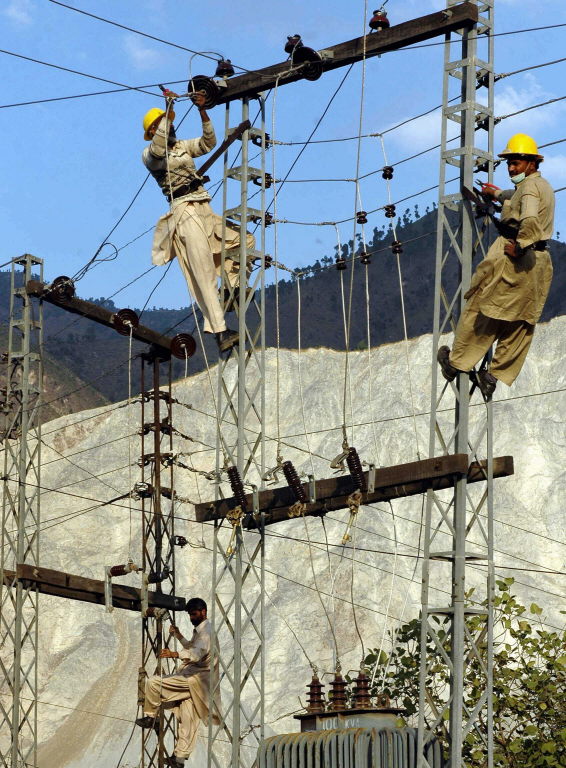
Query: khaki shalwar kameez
{"type": "Point", "coordinates": [507, 295]}
{"type": "Point", "coordinates": [187, 689]}
{"type": "Point", "coordinates": [190, 230]}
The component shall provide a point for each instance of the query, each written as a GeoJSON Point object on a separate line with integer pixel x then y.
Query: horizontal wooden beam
{"type": "Point", "coordinates": [61, 584]}
{"type": "Point", "coordinates": [342, 54]}
{"type": "Point", "coordinates": [96, 313]}
{"type": "Point", "coordinates": [332, 493]}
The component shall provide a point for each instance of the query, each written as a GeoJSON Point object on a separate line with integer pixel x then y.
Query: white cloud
{"type": "Point", "coordinates": [20, 11]}
{"type": "Point", "coordinates": [425, 131]}
{"type": "Point", "coordinates": [554, 169]}
{"type": "Point", "coordinates": [141, 55]}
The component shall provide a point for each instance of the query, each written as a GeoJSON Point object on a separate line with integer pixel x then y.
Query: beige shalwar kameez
{"type": "Point", "coordinates": [190, 230]}
{"type": "Point", "coordinates": [507, 295]}
{"type": "Point", "coordinates": [187, 689]}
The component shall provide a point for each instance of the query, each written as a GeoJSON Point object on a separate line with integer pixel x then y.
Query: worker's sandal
{"type": "Point", "coordinates": [147, 721]}
{"type": "Point", "coordinates": [486, 382]}
{"type": "Point", "coordinates": [448, 370]}
{"type": "Point", "coordinates": [227, 339]}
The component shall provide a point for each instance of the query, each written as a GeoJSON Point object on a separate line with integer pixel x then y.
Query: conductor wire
{"type": "Point", "coordinates": [353, 571]}
{"type": "Point", "coordinates": [299, 375]}
{"type": "Point", "coordinates": [276, 267]}
{"type": "Point", "coordinates": [347, 381]}
{"type": "Point", "coordinates": [277, 611]}
{"type": "Point", "coordinates": [130, 485]}
{"type": "Point", "coordinates": [403, 310]}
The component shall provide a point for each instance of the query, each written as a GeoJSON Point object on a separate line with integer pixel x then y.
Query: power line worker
{"type": "Point", "coordinates": [187, 689]}
{"type": "Point", "coordinates": [509, 287]}
{"type": "Point", "coordinates": [190, 230]}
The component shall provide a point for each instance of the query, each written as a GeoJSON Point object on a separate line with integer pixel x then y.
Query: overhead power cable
{"type": "Point", "coordinates": [204, 54]}
{"type": "Point", "coordinates": [92, 93]}
{"type": "Point", "coordinates": [527, 109]}
{"type": "Point", "coordinates": [528, 69]}
{"type": "Point", "coordinates": [309, 542]}
{"type": "Point", "coordinates": [76, 72]}
{"type": "Point", "coordinates": [457, 41]}
{"type": "Point", "coordinates": [99, 503]}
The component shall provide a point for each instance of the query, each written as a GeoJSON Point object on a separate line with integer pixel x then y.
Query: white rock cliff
{"type": "Point", "coordinates": [89, 659]}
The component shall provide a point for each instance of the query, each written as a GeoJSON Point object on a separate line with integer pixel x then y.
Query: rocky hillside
{"type": "Point", "coordinates": [89, 659]}
{"type": "Point", "coordinates": [105, 367]}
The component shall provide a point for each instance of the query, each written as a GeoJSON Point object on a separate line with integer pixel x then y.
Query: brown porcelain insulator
{"type": "Point", "coordinates": [315, 696]}
{"type": "Point", "coordinates": [338, 693]}
{"type": "Point", "coordinates": [390, 212]}
{"type": "Point", "coordinates": [362, 698]}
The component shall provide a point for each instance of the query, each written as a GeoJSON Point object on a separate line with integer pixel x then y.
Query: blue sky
{"type": "Point", "coordinates": [73, 166]}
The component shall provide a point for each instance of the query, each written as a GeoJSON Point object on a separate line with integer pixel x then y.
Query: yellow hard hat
{"type": "Point", "coordinates": [153, 116]}
{"type": "Point", "coordinates": [521, 144]}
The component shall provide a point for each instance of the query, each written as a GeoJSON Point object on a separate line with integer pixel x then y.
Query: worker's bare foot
{"type": "Point", "coordinates": [227, 339]}
{"type": "Point", "coordinates": [448, 370]}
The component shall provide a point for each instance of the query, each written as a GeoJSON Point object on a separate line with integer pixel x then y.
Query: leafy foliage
{"type": "Point", "coordinates": [529, 697]}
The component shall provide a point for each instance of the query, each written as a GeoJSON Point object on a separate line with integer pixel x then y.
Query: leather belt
{"type": "Point", "coordinates": [187, 188]}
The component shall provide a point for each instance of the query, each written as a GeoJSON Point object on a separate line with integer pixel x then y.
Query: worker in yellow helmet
{"type": "Point", "coordinates": [509, 287]}
{"type": "Point", "coordinates": [190, 230]}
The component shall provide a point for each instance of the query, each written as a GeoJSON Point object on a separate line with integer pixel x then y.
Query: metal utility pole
{"type": "Point", "coordinates": [238, 565]}
{"type": "Point", "coordinates": [459, 524]}
{"type": "Point", "coordinates": [158, 537]}
{"type": "Point", "coordinates": [22, 579]}
{"type": "Point", "coordinates": [20, 520]}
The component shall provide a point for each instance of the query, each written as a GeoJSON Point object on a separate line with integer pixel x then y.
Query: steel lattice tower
{"type": "Point", "coordinates": [158, 551]}
{"type": "Point", "coordinates": [465, 515]}
{"type": "Point", "coordinates": [238, 569]}
{"type": "Point", "coordinates": [20, 520]}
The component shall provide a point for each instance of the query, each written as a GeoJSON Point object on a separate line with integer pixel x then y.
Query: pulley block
{"type": "Point", "coordinates": [183, 345]}
{"type": "Point", "coordinates": [387, 173]}
{"type": "Point", "coordinates": [179, 541]}
{"type": "Point", "coordinates": [224, 68]}
{"type": "Point", "coordinates": [365, 258]}
{"type": "Point", "coordinates": [124, 321]}
{"type": "Point", "coordinates": [310, 62]}
{"type": "Point", "coordinates": [208, 86]}
{"type": "Point", "coordinates": [63, 287]}
{"type": "Point", "coordinates": [362, 217]}
{"type": "Point", "coordinates": [397, 247]}
{"type": "Point", "coordinates": [341, 263]}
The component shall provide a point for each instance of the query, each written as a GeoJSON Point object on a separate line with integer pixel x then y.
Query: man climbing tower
{"type": "Point", "coordinates": [190, 230]}
{"type": "Point", "coordinates": [187, 689]}
{"type": "Point", "coordinates": [509, 287]}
